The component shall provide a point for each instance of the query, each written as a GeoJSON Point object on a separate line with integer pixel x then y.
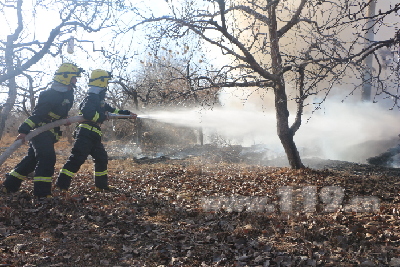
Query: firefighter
{"type": "Point", "coordinates": [88, 134]}
{"type": "Point", "coordinates": [53, 104]}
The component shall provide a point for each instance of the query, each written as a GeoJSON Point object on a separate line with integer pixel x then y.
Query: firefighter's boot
{"type": "Point", "coordinates": [11, 184]}
{"type": "Point", "coordinates": [63, 181]}
{"type": "Point", "coordinates": [101, 183]}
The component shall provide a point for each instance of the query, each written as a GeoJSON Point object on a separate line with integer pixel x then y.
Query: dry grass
{"type": "Point", "coordinates": [157, 217]}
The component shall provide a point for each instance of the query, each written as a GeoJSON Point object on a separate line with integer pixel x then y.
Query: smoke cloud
{"type": "Point", "coordinates": [349, 130]}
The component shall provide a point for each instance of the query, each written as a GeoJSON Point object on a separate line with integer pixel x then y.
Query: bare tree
{"type": "Point", "coordinates": [309, 45]}
{"type": "Point", "coordinates": [22, 49]}
{"type": "Point", "coordinates": [170, 77]}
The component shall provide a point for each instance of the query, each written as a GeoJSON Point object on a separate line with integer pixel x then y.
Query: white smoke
{"type": "Point", "coordinates": [351, 131]}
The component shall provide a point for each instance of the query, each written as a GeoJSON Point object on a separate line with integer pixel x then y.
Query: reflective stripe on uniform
{"type": "Point", "coordinates": [54, 116]}
{"type": "Point", "coordinates": [42, 179]}
{"type": "Point", "coordinates": [101, 173]}
{"type": "Point", "coordinates": [67, 172]}
{"type": "Point", "coordinates": [30, 123]}
{"type": "Point", "coordinates": [91, 128]}
{"type": "Point", "coordinates": [56, 134]}
{"type": "Point", "coordinates": [17, 175]}
{"type": "Point", "coordinates": [51, 130]}
{"type": "Point", "coordinates": [116, 111]}
{"type": "Point", "coordinates": [96, 116]}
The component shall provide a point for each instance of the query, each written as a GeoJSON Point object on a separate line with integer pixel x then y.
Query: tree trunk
{"type": "Point", "coordinates": [12, 94]}
{"type": "Point", "coordinates": [285, 134]}
{"type": "Point", "coordinates": [12, 87]}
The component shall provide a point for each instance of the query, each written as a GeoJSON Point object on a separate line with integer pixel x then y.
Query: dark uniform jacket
{"type": "Point", "coordinates": [88, 137]}
{"type": "Point", "coordinates": [93, 109]}
{"type": "Point", "coordinates": [53, 104]}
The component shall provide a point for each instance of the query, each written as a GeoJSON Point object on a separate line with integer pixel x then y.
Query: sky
{"type": "Point", "coordinates": [39, 21]}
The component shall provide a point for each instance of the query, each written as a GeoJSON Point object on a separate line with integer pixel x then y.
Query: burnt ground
{"type": "Point", "coordinates": [208, 208]}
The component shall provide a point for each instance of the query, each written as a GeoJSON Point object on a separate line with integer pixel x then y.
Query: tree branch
{"type": "Point", "coordinates": [295, 19]}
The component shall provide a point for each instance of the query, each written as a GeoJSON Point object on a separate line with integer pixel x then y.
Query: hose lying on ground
{"type": "Point", "coordinates": [14, 146]}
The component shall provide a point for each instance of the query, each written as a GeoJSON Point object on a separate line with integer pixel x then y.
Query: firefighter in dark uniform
{"type": "Point", "coordinates": [53, 104]}
{"type": "Point", "coordinates": [88, 134]}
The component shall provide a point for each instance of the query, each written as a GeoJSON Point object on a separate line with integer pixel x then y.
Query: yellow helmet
{"type": "Point", "coordinates": [65, 72]}
{"type": "Point", "coordinates": [100, 78]}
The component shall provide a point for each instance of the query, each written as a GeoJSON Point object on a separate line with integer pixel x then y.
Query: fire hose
{"type": "Point", "coordinates": [14, 146]}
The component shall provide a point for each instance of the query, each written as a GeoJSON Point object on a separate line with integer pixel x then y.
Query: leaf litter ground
{"type": "Point", "coordinates": [157, 216]}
